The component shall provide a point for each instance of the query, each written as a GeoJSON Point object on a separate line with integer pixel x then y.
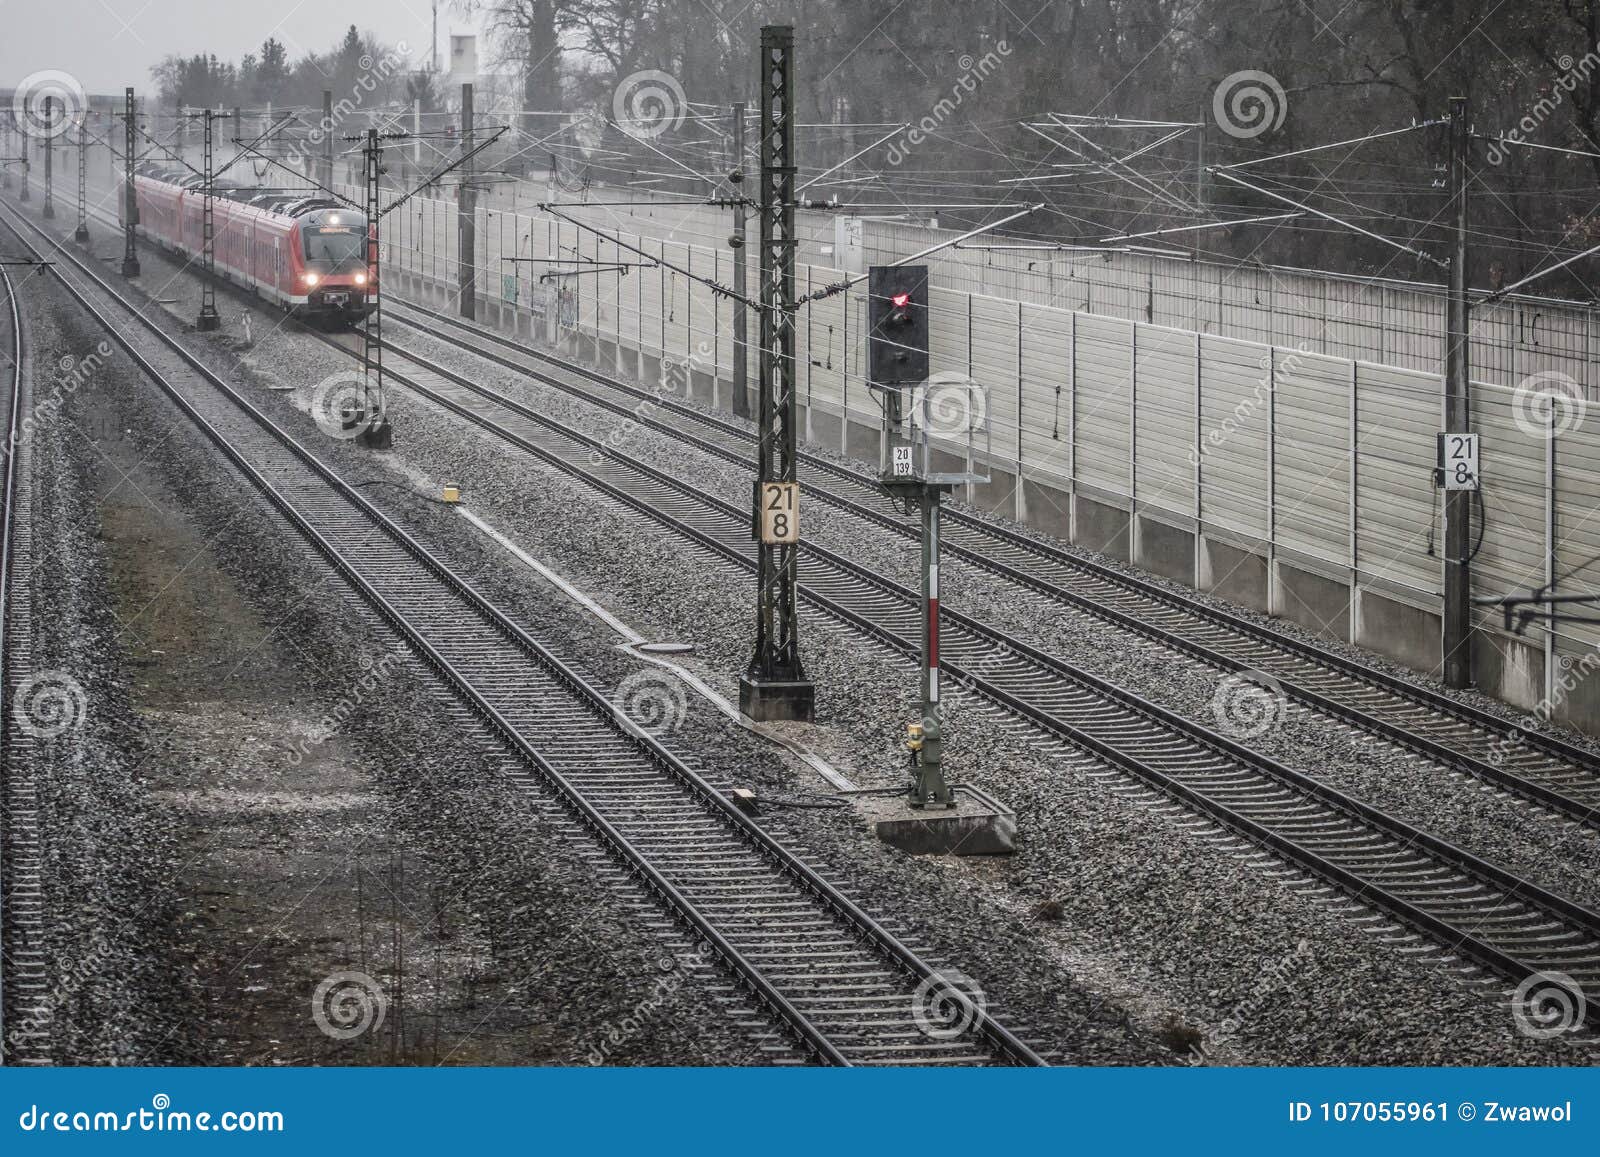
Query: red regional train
{"type": "Point", "coordinates": [304, 251]}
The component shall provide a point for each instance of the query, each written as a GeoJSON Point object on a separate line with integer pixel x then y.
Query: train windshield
{"type": "Point", "coordinates": [336, 245]}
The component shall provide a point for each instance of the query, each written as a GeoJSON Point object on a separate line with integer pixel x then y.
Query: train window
{"type": "Point", "coordinates": [335, 245]}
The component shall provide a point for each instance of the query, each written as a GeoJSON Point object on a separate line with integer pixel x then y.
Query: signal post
{"type": "Point", "coordinates": [935, 431]}
{"type": "Point", "coordinates": [897, 367]}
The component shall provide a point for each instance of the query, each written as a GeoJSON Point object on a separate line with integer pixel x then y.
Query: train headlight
{"type": "Point", "coordinates": [361, 279]}
{"type": "Point", "coordinates": [309, 278]}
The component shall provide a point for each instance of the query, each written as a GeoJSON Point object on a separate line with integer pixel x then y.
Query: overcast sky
{"type": "Point", "coordinates": [108, 44]}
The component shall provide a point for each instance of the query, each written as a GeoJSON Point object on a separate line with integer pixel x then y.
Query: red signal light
{"type": "Point", "coordinates": [901, 300]}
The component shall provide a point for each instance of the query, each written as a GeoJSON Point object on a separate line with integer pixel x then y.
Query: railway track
{"type": "Point", "coordinates": [1545, 769]}
{"type": "Point", "coordinates": [835, 982]}
{"type": "Point", "coordinates": [25, 1006]}
{"type": "Point", "coordinates": [1473, 909]}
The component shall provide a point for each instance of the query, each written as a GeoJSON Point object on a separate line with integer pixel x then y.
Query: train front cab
{"type": "Point", "coordinates": [330, 263]}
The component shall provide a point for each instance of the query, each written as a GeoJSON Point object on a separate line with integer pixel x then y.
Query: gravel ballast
{"type": "Point", "coordinates": [1454, 806]}
{"type": "Point", "coordinates": [518, 951]}
{"type": "Point", "coordinates": [1154, 923]}
{"type": "Point", "coordinates": [108, 850]}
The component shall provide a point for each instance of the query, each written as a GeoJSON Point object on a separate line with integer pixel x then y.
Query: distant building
{"type": "Point", "coordinates": [463, 61]}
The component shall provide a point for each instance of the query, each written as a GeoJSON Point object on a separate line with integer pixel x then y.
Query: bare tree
{"type": "Point", "coordinates": [527, 34]}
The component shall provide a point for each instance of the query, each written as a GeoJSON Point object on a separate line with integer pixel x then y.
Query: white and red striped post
{"type": "Point", "coordinates": [931, 789]}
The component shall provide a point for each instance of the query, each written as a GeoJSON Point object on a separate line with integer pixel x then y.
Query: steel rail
{"type": "Point", "coordinates": [1459, 860]}
{"type": "Point", "coordinates": [814, 1040]}
{"type": "Point", "coordinates": [10, 513]}
{"type": "Point", "coordinates": [1579, 810]}
{"type": "Point", "coordinates": [1403, 834]}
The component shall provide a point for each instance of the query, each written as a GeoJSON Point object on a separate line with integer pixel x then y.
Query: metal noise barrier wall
{"type": "Point", "coordinates": [1385, 321]}
{"type": "Point", "coordinates": [1389, 322]}
{"type": "Point", "coordinates": [1284, 452]}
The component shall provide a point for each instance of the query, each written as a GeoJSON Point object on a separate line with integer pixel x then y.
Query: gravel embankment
{"type": "Point", "coordinates": [555, 968]}
{"type": "Point", "coordinates": [109, 851]}
{"type": "Point", "coordinates": [1158, 921]}
{"type": "Point", "coordinates": [1455, 807]}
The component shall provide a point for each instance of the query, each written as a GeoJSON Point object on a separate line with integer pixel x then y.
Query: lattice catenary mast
{"type": "Point", "coordinates": [775, 685]}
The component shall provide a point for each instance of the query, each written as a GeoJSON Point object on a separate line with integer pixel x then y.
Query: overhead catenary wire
{"type": "Point", "coordinates": [841, 286]}
{"type": "Point", "coordinates": [715, 286]}
{"type": "Point", "coordinates": [1353, 141]}
{"type": "Point", "coordinates": [1207, 225]}
{"type": "Point", "coordinates": [1088, 209]}
{"type": "Point", "coordinates": [1227, 176]}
